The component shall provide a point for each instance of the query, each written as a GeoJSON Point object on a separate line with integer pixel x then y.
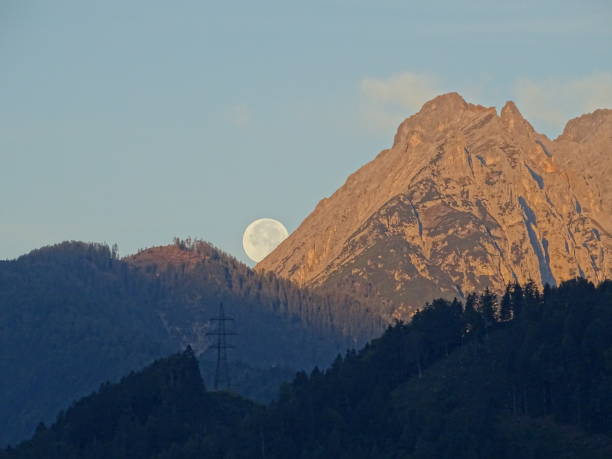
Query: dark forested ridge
{"type": "Point", "coordinates": [526, 375]}
{"type": "Point", "coordinates": [71, 316]}
{"type": "Point", "coordinates": [75, 315]}
{"type": "Point", "coordinates": [308, 328]}
{"type": "Point", "coordinates": [259, 384]}
{"type": "Point", "coordinates": [147, 414]}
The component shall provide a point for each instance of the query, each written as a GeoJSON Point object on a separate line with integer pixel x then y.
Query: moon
{"type": "Point", "coordinates": [261, 237]}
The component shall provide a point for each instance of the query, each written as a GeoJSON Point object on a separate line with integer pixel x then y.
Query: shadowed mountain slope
{"type": "Point", "coordinates": [74, 315]}
{"type": "Point", "coordinates": [145, 415]}
{"type": "Point", "coordinates": [71, 316]}
{"type": "Point", "coordinates": [528, 376]}
{"type": "Point", "coordinates": [296, 326]}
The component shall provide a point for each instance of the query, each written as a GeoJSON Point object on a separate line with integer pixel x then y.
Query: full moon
{"type": "Point", "coordinates": [261, 237]}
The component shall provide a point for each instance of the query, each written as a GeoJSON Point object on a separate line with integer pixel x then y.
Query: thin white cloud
{"type": "Point", "coordinates": [547, 103]}
{"type": "Point", "coordinates": [238, 115]}
{"type": "Point", "coordinates": [550, 103]}
{"type": "Point", "coordinates": [385, 102]}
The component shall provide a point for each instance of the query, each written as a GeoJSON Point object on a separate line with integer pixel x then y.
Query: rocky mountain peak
{"type": "Point", "coordinates": [465, 199]}
{"type": "Point", "coordinates": [436, 116]}
{"type": "Point", "coordinates": [514, 121]}
{"type": "Point", "coordinates": [451, 101]}
{"type": "Point", "coordinates": [510, 110]}
{"type": "Point", "coordinates": [588, 125]}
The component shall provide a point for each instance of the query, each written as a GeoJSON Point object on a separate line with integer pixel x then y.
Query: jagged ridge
{"type": "Point", "coordinates": [465, 199]}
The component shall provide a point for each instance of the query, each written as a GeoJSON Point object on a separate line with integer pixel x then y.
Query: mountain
{"type": "Point", "coordinates": [71, 317]}
{"type": "Point", "coordinates": [277, 323]}
{"type": "Point", "coordinates": [465, 199]}
{"type": "Point", "coordinates": [75, 315]}
{"type": "Point", "coordinates": [458, 382]}
{"type": "Point", "coordinates": [145, 415]}
{"type": "Point", "coordinates": [584, 151]}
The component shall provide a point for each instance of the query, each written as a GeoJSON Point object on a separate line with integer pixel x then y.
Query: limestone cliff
{"type": "Point", "coordinates": [466, 198]}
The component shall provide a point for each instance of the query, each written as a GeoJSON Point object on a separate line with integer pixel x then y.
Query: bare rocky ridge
{"type": "Point", "coordinates": [465, 199]}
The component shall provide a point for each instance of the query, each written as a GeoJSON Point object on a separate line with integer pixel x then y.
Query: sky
{"type": "Point", "coordinates": [132, 122]}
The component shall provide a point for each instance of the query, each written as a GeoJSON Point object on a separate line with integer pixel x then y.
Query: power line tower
{"type": "Point", "coordinates": [222, 377]}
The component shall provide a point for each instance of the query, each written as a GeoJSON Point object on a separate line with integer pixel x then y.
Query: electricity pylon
{"type": "Point", "coordinates": [222, 377]}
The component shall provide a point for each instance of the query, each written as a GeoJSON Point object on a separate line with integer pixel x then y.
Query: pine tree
{"type": "Point", "coordinates": [531, 293]}
{"type": "Point", "coordinates": [518, 300]}
{"type": "Point", "coordinates": [505, 309]}
{"type": "Point", "coordinates": [487, 307]}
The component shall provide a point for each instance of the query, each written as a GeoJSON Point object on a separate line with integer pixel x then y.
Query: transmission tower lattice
{"type": "Point", "coordinates": [222, 377]}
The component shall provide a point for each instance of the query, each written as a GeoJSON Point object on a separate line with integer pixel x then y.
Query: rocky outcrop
{"type": "Point", "coordinates": [466, 198]}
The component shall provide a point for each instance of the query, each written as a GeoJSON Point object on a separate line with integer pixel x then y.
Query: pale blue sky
{"type": "Point", "coordinates": [131, 122]}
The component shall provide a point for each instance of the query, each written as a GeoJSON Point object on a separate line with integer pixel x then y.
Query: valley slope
{"type": "Point", "coordinates": [74, 315]}
{"type": "Point", "coordinates": [453, 383]}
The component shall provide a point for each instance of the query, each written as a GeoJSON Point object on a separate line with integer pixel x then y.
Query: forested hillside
{"type": "Point", "coordinates": [71, 316]}
{"type": "Point", "coordinates": [147, 414]}
{"type": "Point", "coordinates": [308, 329]}
{"type": "Point", "coordinates": [74, 315]}
{"type": "Point", "coordinates": [526, 375]}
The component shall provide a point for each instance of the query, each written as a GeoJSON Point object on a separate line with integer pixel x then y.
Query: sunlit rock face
{"type": "Point", "coordinates": [466, 198]}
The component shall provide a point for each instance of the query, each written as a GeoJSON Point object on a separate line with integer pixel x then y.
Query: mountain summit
{"type": "Point", "coordinates": [465, 199]}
